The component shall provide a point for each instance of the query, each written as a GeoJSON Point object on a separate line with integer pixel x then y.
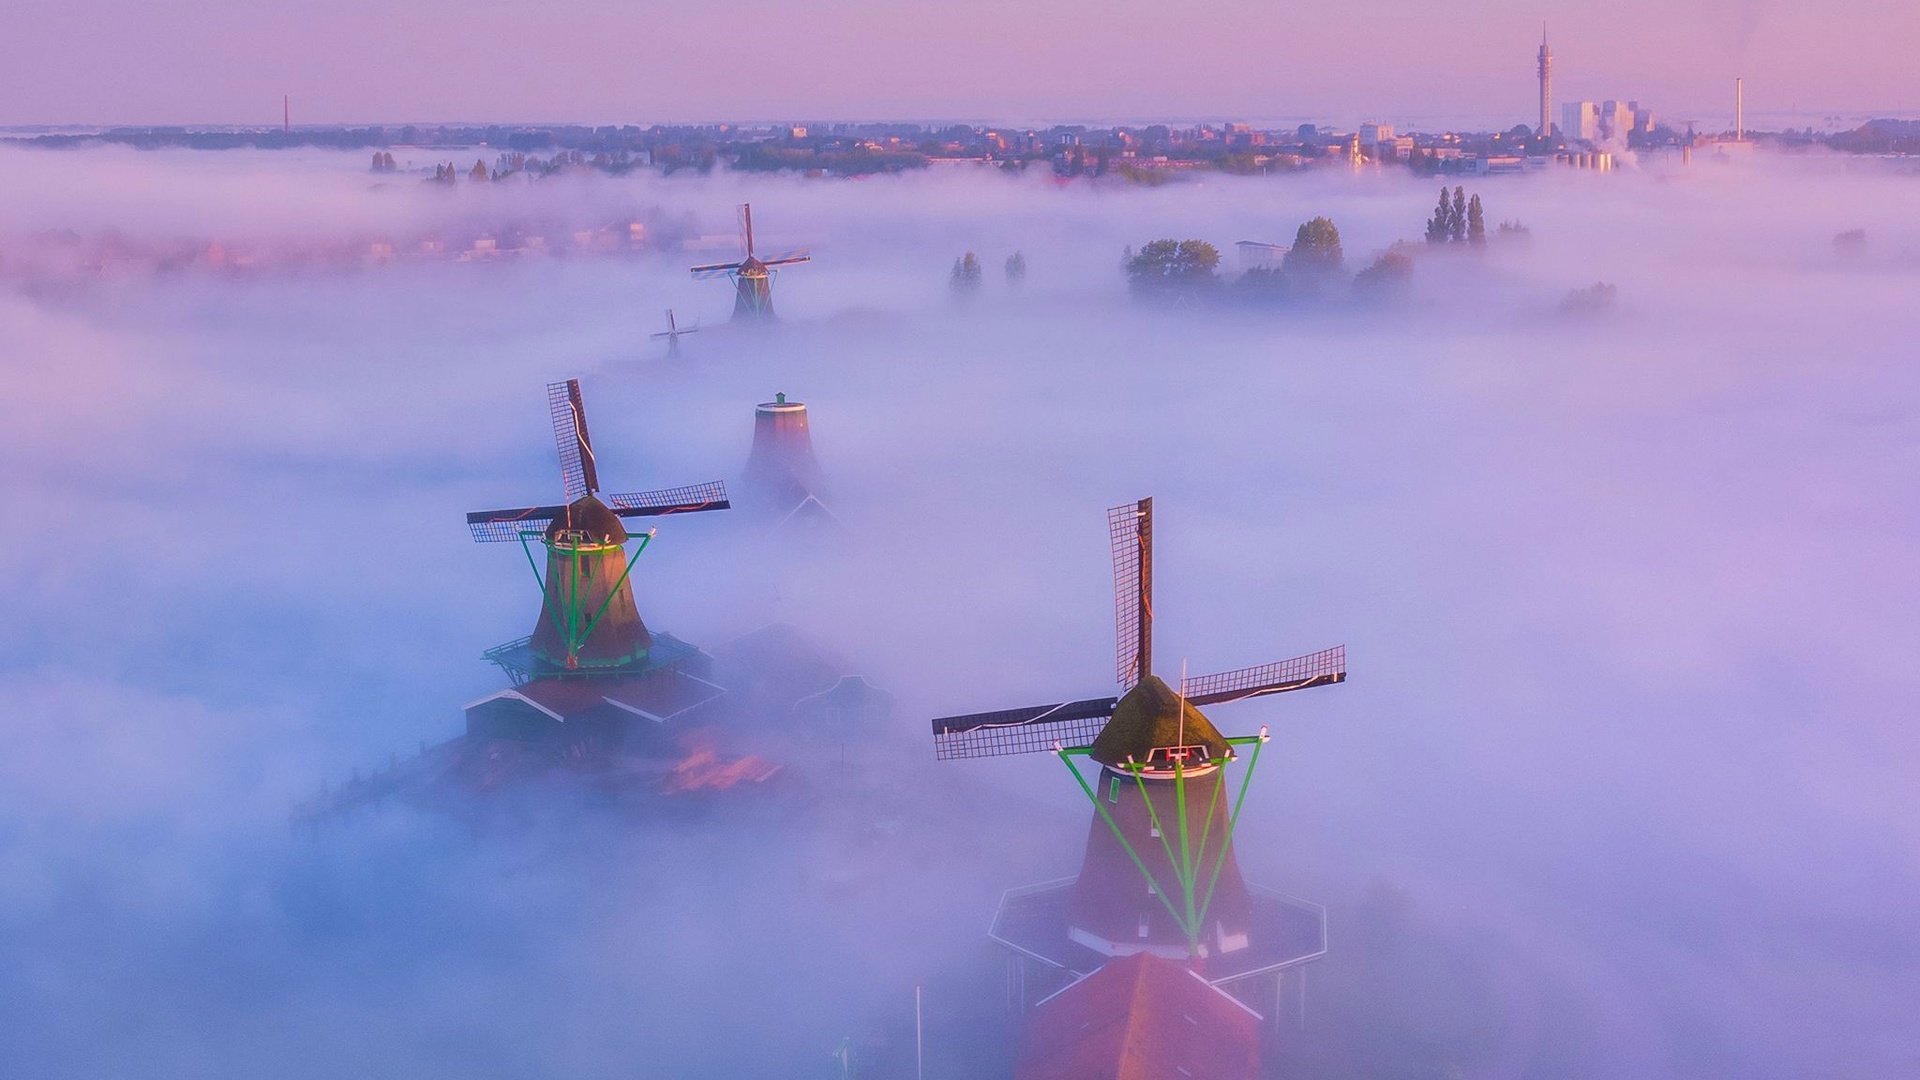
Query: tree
{"type": "Point", "coordinates": [966, 274]}
{"type": "Point", "coordinates": [478, 172]}
{"type": "Point", "coordinates": [1316, 249]}
{"type": "Point", "coordinates": [1016, 268]}
{"type": "Point", "coordinates": [1591, 302]}
{"type": "Point", "coordinates": [1457, 217]}
{"type": "Point", "coordinates": [1174, 268]}
{"type": "Point", "coordinates": [1437, 225]}
{"type": "Point", "coordinates": [1388, 274]}
{"type": "Point", "coordinates": [1476, 223]}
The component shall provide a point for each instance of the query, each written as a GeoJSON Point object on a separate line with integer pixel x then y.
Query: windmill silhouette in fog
{"type": "Point", "coordinates": [672, 334]}
{"type": "Point", "coordinates": [1159, 874]}
{"type": "Point", "coordinates": [588, 620]}
{"type": "Point", "coordinates": [752, 276]}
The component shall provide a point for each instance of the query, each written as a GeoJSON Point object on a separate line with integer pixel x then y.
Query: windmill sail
{"type": "Point", "coordinates": [577, 473]}
{"type": "Point", "coordinates": [495, 526]}
{"type": "Point", "coordinates": [1130, 528]}
{"type": "Point", "coordinates": [679, 500]}
{"type": "Point", "coordinates": [1314, 669]}
{"type": "Point", "coordinates": [1021, 731]}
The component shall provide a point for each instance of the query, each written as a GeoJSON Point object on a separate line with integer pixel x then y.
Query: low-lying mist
{"type": "Point", "coordinates": [1620, 786]}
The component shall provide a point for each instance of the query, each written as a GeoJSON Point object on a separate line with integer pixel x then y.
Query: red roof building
{"type": "Point", "coordinates": [1141, 1017]}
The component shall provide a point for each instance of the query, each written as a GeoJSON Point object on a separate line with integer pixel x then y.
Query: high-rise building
{"type": "Point", "coordinates": [1372, 135]}
{"type": "Point", "coordinates": [1616, 119]}
{"type": "Point", "coordinates": [1546, 87]}
{"type": "Point", "coordinates": [1580, 120]}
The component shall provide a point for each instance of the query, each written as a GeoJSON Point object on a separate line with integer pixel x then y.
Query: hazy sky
{"type": "Point", "coordinates": [1626, 757]}
{"type": "Point", "coordinates": [208, 61]}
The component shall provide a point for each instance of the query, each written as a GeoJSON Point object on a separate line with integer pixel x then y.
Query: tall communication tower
{"type": "Point", "coordinates": [1545, 130]}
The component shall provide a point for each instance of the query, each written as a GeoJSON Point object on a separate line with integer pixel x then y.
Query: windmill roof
{"type": "Point", "coordinates": [1152, 716]}
{"type": "Point", "coordinates": [658, 696]}
{"type": "Point", "coordinates": [1141, 1017]}
{"type": "Point", "coordinates": [593, 517]}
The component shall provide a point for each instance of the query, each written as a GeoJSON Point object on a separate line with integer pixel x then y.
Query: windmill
{"type": "Point", "coordinates": [783, 479]}
{"type": "Point", "coordinates": [1159, 873]}
{"type": "Point", "coordinates": [672, 334]}
{"type": "Point", "coordinates": [752, 276]}
{"type": "Point", "coordinates": [588, 621]}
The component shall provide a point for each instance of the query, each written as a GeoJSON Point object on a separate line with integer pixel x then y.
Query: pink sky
{"type": "Point", "coordinates": [200, 61]}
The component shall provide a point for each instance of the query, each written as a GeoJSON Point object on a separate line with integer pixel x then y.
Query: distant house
{"type": "Point", "coordinates": [1258, 255]}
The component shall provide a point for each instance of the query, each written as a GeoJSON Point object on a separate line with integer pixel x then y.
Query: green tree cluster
{"type": "Point", "coordinates": [1385, 275]}
{"type": "Point", "coordinates": [966, 274]}
{"type": "Point", "coordinates": [1457, 219]}
{"type": "Point", "coordinates": [1177, 269]}
{"type": "Point", "coordinates": [1016, 268]}
{"type": "Point", "coordinates": [1591, 302]}
{"type": "Point", "coordinates": [1315, 250]}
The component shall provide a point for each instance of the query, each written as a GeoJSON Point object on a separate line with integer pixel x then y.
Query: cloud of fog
{"type": "Point", "coordinates": [1620, 786]}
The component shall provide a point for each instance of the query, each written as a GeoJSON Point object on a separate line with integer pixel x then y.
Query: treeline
{"type": "Point", "coordinates": [1314, 269]}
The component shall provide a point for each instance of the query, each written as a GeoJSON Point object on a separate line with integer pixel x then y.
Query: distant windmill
{"type": "Point", "coordinates": [1161, 804]}
{"type": "Point", "coordinates": [588, 621]}
{"type": "Point", "coordinates": [672, 334]}
{"type": "Point", "coordinates": [752, 276]}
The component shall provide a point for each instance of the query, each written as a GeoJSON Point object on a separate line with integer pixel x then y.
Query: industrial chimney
{"type": "Point", "coordinates": [783, 479]}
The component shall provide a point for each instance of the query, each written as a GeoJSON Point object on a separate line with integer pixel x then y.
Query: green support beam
{"type": "Point", "coordinates": [1190, 861]}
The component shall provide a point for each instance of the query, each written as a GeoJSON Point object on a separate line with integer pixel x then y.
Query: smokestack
{"type": "Point", "coordinates": [1739, 110]}
{"type": "Point", "coordinates": [286, 114]}
{"type": "Point", "coordinates": [783, 479]}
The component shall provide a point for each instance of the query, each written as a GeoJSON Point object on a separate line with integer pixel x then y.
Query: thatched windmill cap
{"type": "Point", "coordinates": [592, 517]}
{"type": "Point", "coordinates": [1150, 717]}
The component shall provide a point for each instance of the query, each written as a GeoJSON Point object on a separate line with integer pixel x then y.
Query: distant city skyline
{"type": "Point", "coordinates": [597, 61]}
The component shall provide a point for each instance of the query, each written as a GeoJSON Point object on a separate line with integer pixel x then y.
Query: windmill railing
{"type": "Point", "coordinates": [359, 790]}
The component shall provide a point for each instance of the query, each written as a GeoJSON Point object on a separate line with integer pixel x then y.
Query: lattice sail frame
{"type": "Point", "coordinates": [1298, 673]}
{"type": "Point", "coordinates": [690, 499]}
{"type": "Point", "coordinates": [1130, 534]}
{"type": "Point", "coordinates": [732, 269]}
{"type": "Point", "coordinates": [1021, 731]}
{"type": "Point", "coordinates": [578, 476]}
{"type": "Point", "coordinates": [1070, 726]}
{"type": "Point", "coordinates": [498, 526]}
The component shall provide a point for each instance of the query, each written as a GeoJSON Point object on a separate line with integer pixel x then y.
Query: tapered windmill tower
{"type": "Point", "coordinates": [752, 276]}
{"type": "Point", "coordinates": [1159, 874]}
{"type": "Point", "coordinates": [673, 333]}
{"type": "Point", "coordinates": [588, 621]}
{"type": "Point", "coordinates": [783, 480]}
